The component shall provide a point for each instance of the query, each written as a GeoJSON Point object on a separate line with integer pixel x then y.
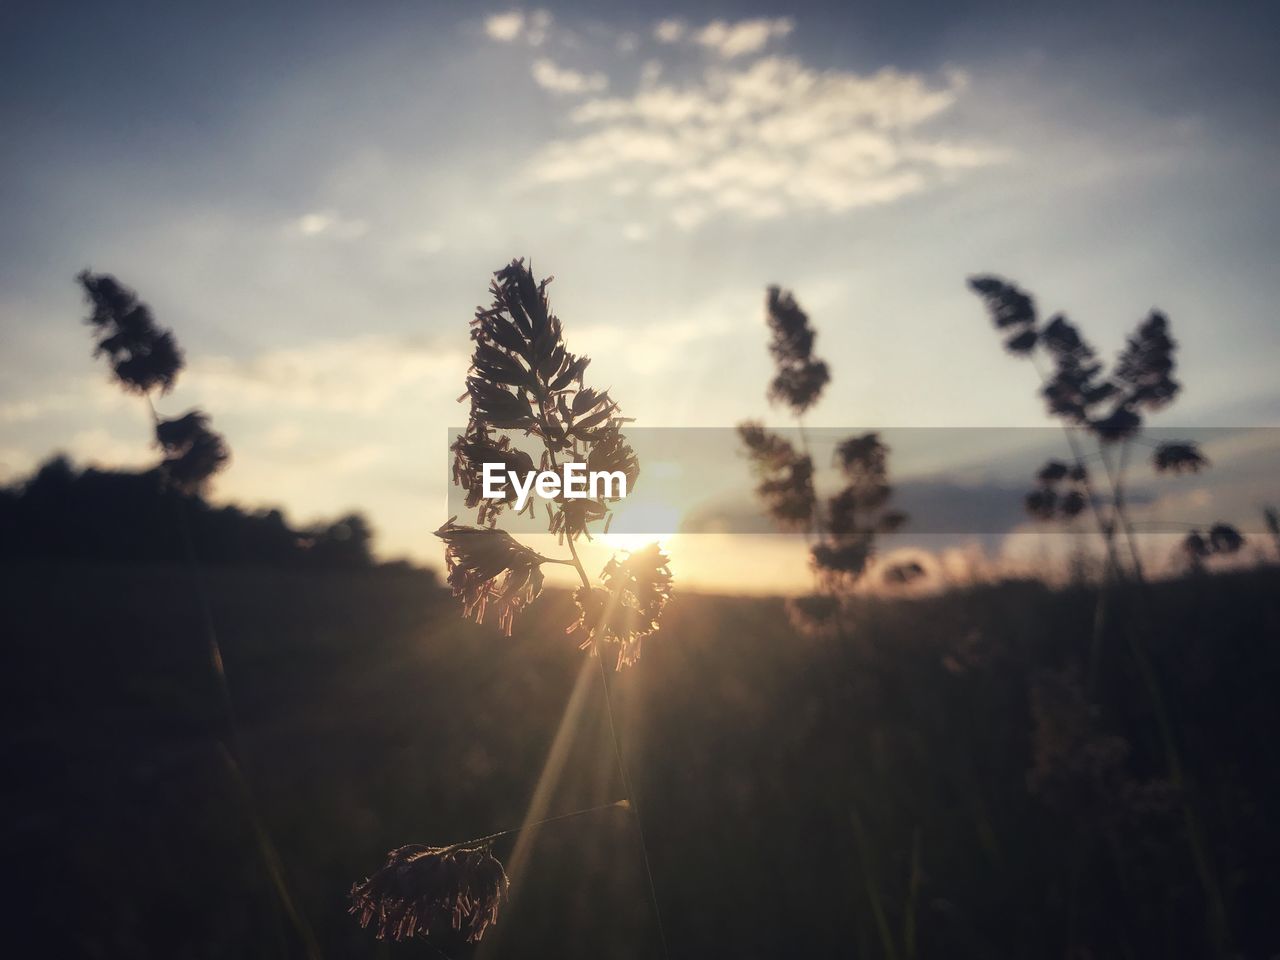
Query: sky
{"type": "Point", "coordinates": [313, 197]}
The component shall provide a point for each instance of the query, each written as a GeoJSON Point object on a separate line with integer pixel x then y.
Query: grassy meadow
{"type": "Point", "coordinates": [932, 784]}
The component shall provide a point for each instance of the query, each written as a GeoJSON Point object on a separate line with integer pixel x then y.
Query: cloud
{"type": "Point", "coordinates": [730, 40]}
{"type": "Point", "coordinates": [329, 223]}
{"type": "Point", "coordinates": [361, 375]}
{"type": "Point", "coordinates": [669, 31]}
{"type": "Point", "coordinates": [504, 27]}
{"type": "Point", "coordinates": [563, 80]}
{"type": "Point", "coordinates": [725, 39]}
{"type": "Point", "coordinates": [767, 139]}
{"type": "Point", "coordinates": [515, 25]}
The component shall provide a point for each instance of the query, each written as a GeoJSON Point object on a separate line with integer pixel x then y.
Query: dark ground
{"type": "Point", "coordinates": [935, 785]}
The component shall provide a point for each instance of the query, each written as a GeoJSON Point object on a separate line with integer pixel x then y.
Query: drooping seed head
{"type": "Point", "coordinates": [432, 892]}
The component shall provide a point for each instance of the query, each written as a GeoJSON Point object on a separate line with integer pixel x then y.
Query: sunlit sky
{"type": "Point", "coordinates": [314, 196]}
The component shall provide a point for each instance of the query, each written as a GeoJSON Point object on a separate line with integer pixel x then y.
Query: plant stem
{"type": "Point", "coordinates": [635, 807]}
{"type": "Point", "coordinates": [870, 885]}
{"type": "Point", "coordinates": [608, 696]}
{"type": "Point", "coordinates": [1120, 515]}
{"type": "Point", "coordinates": [266, 847]}
{"type": "Point", "coordinates": [489, 837]}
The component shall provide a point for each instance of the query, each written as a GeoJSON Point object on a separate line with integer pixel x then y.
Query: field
{"type": "Point", "coordinates": [934, 784]}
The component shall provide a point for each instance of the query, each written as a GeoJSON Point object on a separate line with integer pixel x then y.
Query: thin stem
{"type": "Point", "coordinates": [266, 847]}
{"type": "Point", "coordinates": [1200, 850]}
{"type": "Point", "coordinates": [608, 696]}
{"type": "Point", "coordinates": [582, 573]}
{"type": "Point", "coordinates": [563, 563]}
{"type": "Point", "coordinates": [490, 837]}
{"type": "Point", "coordinates": [635, 807]}
{"type": "Point", "coordinates": [1077, 454]}
{"type": "Point", "coordinates": [815, 518]}
{"type": "Point", "coordinates": [1113, 568]}
{"type": "Point", "coordinates": [1120, 515]}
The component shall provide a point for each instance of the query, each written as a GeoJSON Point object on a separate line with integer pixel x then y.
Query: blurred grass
{"type": "Point", "coordinates": [371, 715]}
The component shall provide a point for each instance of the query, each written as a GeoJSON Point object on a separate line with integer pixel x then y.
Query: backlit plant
{"type": "Point", "coordinates": [1101, 405]}
{"type": "Point", "coordinates": [1106, 407]}
{"type": "Point", "coordinates": [842, 529]}
{"type": "Point", "coordinates": [145, 358]}
{"type": "Point", "coordinates": [523, 384]}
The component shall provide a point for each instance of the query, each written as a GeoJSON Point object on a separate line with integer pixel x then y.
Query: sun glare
{"type": "Point", "coordinates": [637, 523]}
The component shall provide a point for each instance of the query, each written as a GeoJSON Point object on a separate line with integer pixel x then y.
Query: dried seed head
{"type": "Point", "coordinates": [521, 371]}
{"type": "Point", "coordinates": [843, 559]}
{"type": "Point", "coordinates": [193, 452]}
{"type": "Point", "coordinates": [1049, 500]}
{"type": "Point", "coordinates": [1012, 310]}
{"type": "Point", "coordinates": [1145, 367]}
{"type": "Point", "coordinates": [628, 607]}
{"type": "Point", "coordinates": [900, 574]}
{"type": "Point", "coordinates": [1224, 538]}
{"type": "Point", "coordinates": [143, 356]}
{"type": "Point", "coordinates": [864, 461]}
{"type": "Point", "coordinates": [801, 376]}
{"type": "Point", "coordinates": [476, 557]}
{"type": "Point", "coordinates": [1042, 503]}
{"type": "Point", "coordinates": [471, 451]}
{"type": "Point", "coordinates": [1074, 390]}
{"type": "Point", "coordinates": [1120, 424]}
{"type": "Point", "coordinates": [1073, 504]}
{"type": "Point", "coordinates": [1181, 457]}
{"type": "Point", "coordinates": [432, 891]}
{"type": "Point", "coordinates": [1052, 471]}
{"type": "Point", "coordinates": [1195, 546]}
{"type": "Point", "coordinates": [856, 514]}
{"type": "Point", "coordinates": [523, 378]}
{"type": "Point", "coordinates": [785, 476]}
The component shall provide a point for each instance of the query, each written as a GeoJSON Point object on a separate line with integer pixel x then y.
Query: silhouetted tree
{"type": "Point", "coordinates": [116, 516]}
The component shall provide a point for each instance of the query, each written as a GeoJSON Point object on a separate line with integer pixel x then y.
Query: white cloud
{"type": "Point", "coordinates": [533, 28]}
{"type": "Point", "coordinates": [669, 31]}
{"type": "Point", "coordinates": [362, 375]}
{"type": "Point", "coordinates": [563, 80]}
{"type": "Point", "coordinates": [746, 36]}
{"type": "Point", "coordinates": [768, 138]}
{"type": "Point", "coordinates": [725, 39]}
{"type": "Point", "coordinates": [504, 27]}
{"type": "Point", "coordinates": [329, 223]}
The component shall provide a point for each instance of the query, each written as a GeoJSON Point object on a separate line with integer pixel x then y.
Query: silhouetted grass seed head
{"type": "Point", "coordinates": [142, 355]}
{"type": "Point", "coordinates": [432, 891]}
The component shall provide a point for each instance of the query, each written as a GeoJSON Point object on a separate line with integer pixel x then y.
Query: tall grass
{"type": "Point", "coordinates": [524, 382]}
